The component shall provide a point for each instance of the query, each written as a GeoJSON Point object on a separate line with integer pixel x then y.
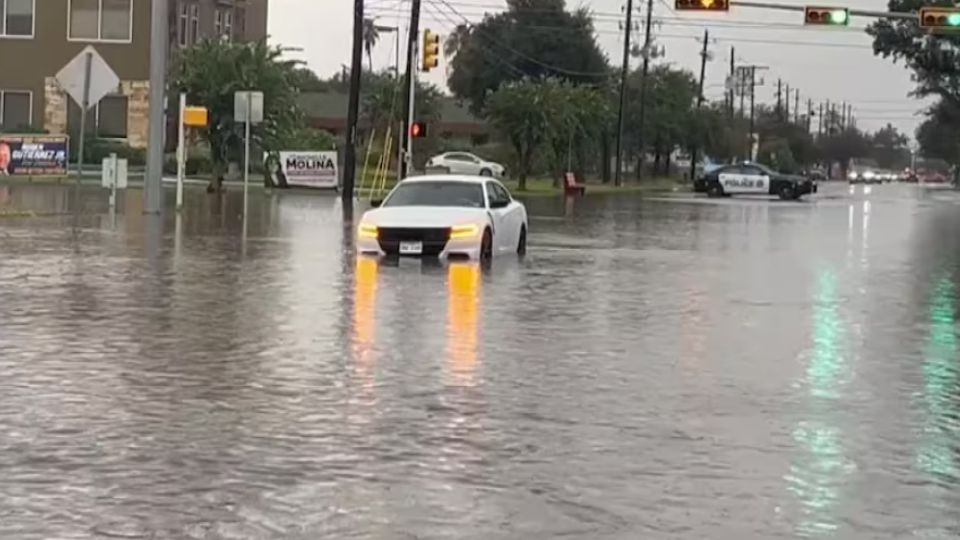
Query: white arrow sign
{"type": "Point", "coordinates": [103, 80]}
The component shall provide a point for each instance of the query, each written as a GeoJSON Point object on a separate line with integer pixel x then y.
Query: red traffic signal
{"type": "Point", "coordinates": [826, 15]}
{"type": "Point", "coordinates": [702, 5]}
{"type": "Point", "coordinates": [418, 130]}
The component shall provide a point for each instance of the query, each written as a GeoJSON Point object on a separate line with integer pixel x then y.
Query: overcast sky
{"type": "Point", "coordinates": [834, 64]}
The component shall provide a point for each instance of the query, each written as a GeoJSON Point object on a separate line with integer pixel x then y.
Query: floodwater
{"type": "Point", "coordinates": [654, 368]}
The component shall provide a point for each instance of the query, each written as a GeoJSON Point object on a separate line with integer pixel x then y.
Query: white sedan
{"type": "Point", "coordinates": [445, 216]}
{"type": "Point", "coordinates": [465, 163]}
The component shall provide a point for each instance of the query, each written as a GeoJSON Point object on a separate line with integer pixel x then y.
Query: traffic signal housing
{"type": "Point", "coordinates": [702, 5]}
{"type": "Point", "coordinates": [418, 130]}
{"type": "Point", "coordinates": [431, 50]}
{"type": "Point", "coordinates": [826, 15]}
{"type": "Point", "coordinates": [940, 18]}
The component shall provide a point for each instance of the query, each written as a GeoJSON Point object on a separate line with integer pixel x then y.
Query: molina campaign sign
{"type": "Point", "coordinates": [310, 169]}
{"type": "Point", "coordinates": [33, 155]}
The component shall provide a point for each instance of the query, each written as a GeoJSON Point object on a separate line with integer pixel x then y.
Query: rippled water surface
{"type": "Point", "coordinates": [654, 368]}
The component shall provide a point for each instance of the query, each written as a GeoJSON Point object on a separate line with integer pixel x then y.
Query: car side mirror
{"type": "Point", "coordinates": [375, 203]}
{"type": "Point", "coordinates": [499, 204]}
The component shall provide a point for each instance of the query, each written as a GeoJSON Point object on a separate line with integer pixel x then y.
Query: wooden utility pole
{"type": "Point", "coordinates": [786, 116]}
{"type": "Point", "coordinates": [643, 84]}
{"type": "Point", "coordinates": [779, 100]}
{"type": "Point", "coordinates": [733, 83]}
{"type": "Point", "coordinates": [796, 107]}
{"type": "Point", "coordinates": [703, 72]}
{"type": "Point", "coordinates": [353, 107]}
{"type": "Point", "coordinates": [409, 89]}
{"type": "Point", "coordinates": [624, 72]}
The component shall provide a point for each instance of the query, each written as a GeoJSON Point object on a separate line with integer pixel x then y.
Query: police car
{"type": "Point", "coordinates": [750, 178]}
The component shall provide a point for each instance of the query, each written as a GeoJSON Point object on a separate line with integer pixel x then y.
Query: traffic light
{"type": "Point", "coordinates": [940, 18]}
{"type": "Point", "coordinates": [702, 5]}
{"type": "Point", "coordinates": [826, 15]}
{"type": "Point", "coordinates": [418, 130]}
{"type": "Point", "coordinates": [431, 50]}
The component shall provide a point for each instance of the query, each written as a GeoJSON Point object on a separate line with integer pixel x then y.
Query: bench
{"type": "Point", "coordinates": [571, 186]}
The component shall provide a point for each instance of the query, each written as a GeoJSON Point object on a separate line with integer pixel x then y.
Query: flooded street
{"type": "Point", "coordinates": [656, 368]}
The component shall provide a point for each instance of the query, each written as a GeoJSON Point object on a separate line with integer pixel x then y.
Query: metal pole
{"type": "Point", "coordinates": [786, 116]}
{"type": "Point", "coordinates": [408, 102]}
{"type": "Point", "coordinates": [83, 114]}
{"type": "Point", "coordinates": [703, 73]}
{"type": "Point", "coordinates": [753, 85]}
{"type": "Point", "coordinates": [820, 121]}
{"type": "Point", "coordinates": [159, 36]}
{"type": "Point", "coordinates": [643, 84]}
{"type": "Point", "coordinates": [246, 159]}
{"type": "Point", "coordinates": [113, 180]}
{"type": "Point", "coordinates": [796, 106]}
{"type": "Point", "coordinates": [779, 101]}
{"type": "Point", "coordinates": [859, 12]}
{"type": "Point", "coordinates": [353, 107]}
{"type": "Point", "coordinates": [809, 113]}
{"type": "Point", "coordinates": [624, 70]}
{"type": "Point", "coordinates": [181, 151]}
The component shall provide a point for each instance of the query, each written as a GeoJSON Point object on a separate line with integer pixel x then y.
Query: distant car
{"type": "Point", "coordinates": [445, 216]}
{"type": "Point", "coordinates": [466, 163]}
{"type": "Point", "coordinates": [864, 175]}
{"type": "Point", "coordinates": [749, 178]}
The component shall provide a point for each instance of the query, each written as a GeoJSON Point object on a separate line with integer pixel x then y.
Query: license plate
{"type": "Point", "coordinates": [411, 248]}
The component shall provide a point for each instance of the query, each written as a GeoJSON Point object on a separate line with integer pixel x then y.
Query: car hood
{"type": "Point", "coordinates": [424, 216]}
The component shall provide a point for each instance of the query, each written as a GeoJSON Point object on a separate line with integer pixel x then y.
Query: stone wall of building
{"type": "Point", "coordinates": [138, 110]}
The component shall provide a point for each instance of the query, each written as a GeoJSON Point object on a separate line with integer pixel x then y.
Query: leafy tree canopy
{"type": "Point", "coordinates": [532, 39]}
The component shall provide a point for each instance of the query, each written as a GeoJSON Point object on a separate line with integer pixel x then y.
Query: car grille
{"type": "Point", "coordinates": [434, 239]}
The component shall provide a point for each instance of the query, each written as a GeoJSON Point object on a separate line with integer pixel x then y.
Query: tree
{"type": "Point", "coordinates": [371, 34]}
{"type": "Point", "coordinates": [575, 117]}
{"type": "Point", "coordinates": [889, 148]}
{"type": "Point", "coordinates": [844, 146]}
{"type": "Point", "coordinates": [519, 111]}
{"type": "Point", "coordinates": [533, 39]}
{"type": "Point", "coordinates": [939, 134]}
{"type": "Point", "coordinates": [933, 58]}
{"type": "Point", "coordinates": [213, 70]}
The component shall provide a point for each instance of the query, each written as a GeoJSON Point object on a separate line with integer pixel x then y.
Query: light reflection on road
{"type": "Point", "coordinates": [463, 287]}
{"type": "Point", "coordinates": [365, 276]}
{"type": "Point", "coordinates": [816, 477]}
{"type": "Point", "coordinates": [941, 379]}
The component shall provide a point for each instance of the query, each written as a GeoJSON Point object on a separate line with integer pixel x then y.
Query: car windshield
{"type": "Point", "coordinates": [438, 193]}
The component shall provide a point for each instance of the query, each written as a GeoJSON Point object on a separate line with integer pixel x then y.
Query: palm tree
{"type": "Point", "coordinates": [371, 34]}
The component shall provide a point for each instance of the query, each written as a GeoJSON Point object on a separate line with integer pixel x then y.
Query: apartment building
{"type": "Point", "coordinates": [38, 37]}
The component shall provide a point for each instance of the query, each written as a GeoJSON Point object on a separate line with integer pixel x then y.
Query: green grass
{"type": "Point", "coordinates": [544, 186]}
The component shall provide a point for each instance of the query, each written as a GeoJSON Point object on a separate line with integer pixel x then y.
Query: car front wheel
{"type": "Point", "coordinates": [486, 172]}
{"type": "Point", "coordinates": [486, 246]}
{"type": "Point", "coordinates": [522, 242]}
{"type": "Point", "coordinates": [715, 190]}
{"type": "Point", "coordinates": [787, 193]}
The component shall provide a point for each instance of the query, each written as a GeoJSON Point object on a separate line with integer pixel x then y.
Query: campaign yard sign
{"type": "Point", "coordinates": [310, 169]}
{"type": "Point", "coordinates": [33, 155]}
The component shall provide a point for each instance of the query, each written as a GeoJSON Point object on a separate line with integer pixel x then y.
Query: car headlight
{"type": "Point", "coordinates": [367, 230]}
{"type": "Point", "coordinates": [852, 176]}
{"type": "Point", "coordinates": [469, 230]}
{"type": "Point", "coordinates": [868, 174]}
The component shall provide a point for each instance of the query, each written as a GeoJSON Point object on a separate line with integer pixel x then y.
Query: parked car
{"type": "Point", "coordinates": [466, 163]}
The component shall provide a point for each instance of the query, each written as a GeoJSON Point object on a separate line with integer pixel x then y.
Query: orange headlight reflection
{"type": "Point", "coordinates": [364, 306]}
{"type": "Point", "coordinates": [463, 287]}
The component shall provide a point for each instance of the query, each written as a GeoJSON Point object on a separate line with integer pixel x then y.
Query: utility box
{"type": "Point", "coordinates": [114, 169]}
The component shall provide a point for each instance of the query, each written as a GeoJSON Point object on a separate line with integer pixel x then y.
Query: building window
{"type": "Point", "coordinates": [194, 23]}
{"type": "Point", "coordinates": [106, 120]}
{"type": "Point", "coordinates": [223, 23]}
{"type": "Point", "coordinates": [183, 20]}
{"type": "Point", "coordinates": [16, 107]}
{"type": "Point", "coordinates": [101, 20]}
{"type": "Point", "coordinates": [16, 18]}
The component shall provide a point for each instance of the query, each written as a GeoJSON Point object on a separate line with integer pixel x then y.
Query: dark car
{"type": "Point", "coordinates": [750, 178]}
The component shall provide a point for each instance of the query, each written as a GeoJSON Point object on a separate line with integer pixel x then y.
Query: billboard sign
{"type": "Point", "coordinates": [310, 169]}
{"type": "Point", "coordinates": [33, 155]}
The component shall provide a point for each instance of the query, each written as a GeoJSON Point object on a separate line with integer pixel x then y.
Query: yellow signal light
{"type": "Point", "coordinates": [702, 5]}
{"type": "Point", "coordinates": [431, 50]}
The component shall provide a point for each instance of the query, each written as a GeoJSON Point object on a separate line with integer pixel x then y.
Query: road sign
{"type": "Point", "coordinates": [103, 80]}
{"type": "Point", "coordinates": [195, 116]}
{"type": "Point", "coordinates": [240, 106]}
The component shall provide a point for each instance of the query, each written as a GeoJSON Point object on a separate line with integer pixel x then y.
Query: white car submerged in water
{"type": "Point", "coordinates": [445, 216]}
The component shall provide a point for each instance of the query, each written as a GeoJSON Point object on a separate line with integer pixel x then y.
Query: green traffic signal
{"type": "Point", "coordinates": [953, 19]}
{"type": "Point", "coordinates": [839, 16]}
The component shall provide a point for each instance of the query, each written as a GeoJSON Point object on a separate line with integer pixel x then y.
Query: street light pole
{"type": "Point", "coordinates": [159, 35]}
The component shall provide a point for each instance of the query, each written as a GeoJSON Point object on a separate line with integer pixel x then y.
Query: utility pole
{"type": "Point", "coordinates": [703, 72]}
{"type": "Point", "coordinates": [353, 107]}
{"type": "Point", "coordinates": [643, 84]}
{"type": "Point", "coordinates": [779, 102]}
{"type": "Point", "coordinates": [796, 107]}
{"type": "Point", "coordinates": [753, 87]}
{"type": "Point", "coordinates": [159, 34]}
{"type": "Point", "coordinates": [820, 121]}
{"type": "Point", "coordinates": [410, 88]}
{"type": "Point", "coordinates": [809, 113]}
{"type": "Point", "coordinates": [733, 83]}
{"type": "Point", "coordinates": [786, 116]}
{"type": "Point", "coordinates": [624, 71]}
